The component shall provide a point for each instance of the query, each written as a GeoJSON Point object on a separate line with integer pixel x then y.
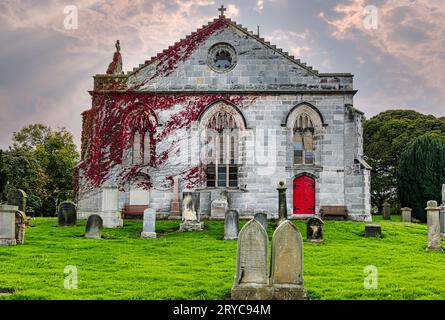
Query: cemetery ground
{"type": "Point", "coordinates": [200, 265]}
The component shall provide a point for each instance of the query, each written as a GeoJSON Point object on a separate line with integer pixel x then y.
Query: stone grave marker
{"type": "Point", "coordinates": [314, 229]}
{"type": "Point", "coordinates": [175, 212]}
{"type": "Point", "coordinates": [149, 229]}
{"type": "Point", "coordinates": [386, 211]}
{"type": "Point", "coordinates": [287, 263]}
{"type": "Point", "coordinates": [442, 213]}
{"type": "Point", "coordinates": [406, 214]}
{"type": "Point", "coordinates": [262, 219]}
{"type": "Point", "coordinates": [7, 225]}
{"type": "Point", "coordinates": [17, 197]}
{"type": "Point", "coordinates": [110, 214]}
{"type": "Point", "coordinates": [219, 205]}
{"type": "Point", "coordinates": [231, 225]}
{"type": "Point", "coordinates": [282, 205]}
{"type": "Point", "coordinates": [21, 220]}
{"type": "Point", "coordinates": [433, 226]}
{"type": "Point", "coordinates": [190, 217]}
{"type": "Point", "coordinates": [94, 227]}
{"type": "Point", "coordinates": [373, 230]}
{"type": "Point", "coordinates": [251, 280]}
{"type": "Point", "coordinates": [67, 214]}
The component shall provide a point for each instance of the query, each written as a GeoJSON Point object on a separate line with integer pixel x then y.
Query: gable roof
{"type": "Point", "coordinates": [195, 38]}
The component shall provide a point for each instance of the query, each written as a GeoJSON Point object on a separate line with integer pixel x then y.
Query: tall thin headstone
{"type": "Point", "coordinates": [261, 217]}
{"type": "Point", "coordinates": [406, 214]}
{"type": "Point", "coordinates": [282, 205]}
{"type": "Point", "coordinates": [94, 227]}
{"type": "Point", "coordinates": [286, 276]}
{"type": "Point", "coordinates": [432, 211]}
{"type": "Point", "coordinates": [190, 217]}
{"type": "Point", "coordinates": [17, 197]}
{"type": "Point", "coordinates": [231, 225]}
{"type": "Point", "coordinates": [386, 211]}
{"type": "Point", "coordinates": [67, 214]}
{"type": "Point", "coordinates": [21, 220]}
{"type": "Point", "coordinates": [7, 225]}
{"type": "Point", "coordinates": [110, 214]}
{"type": "Point", "coordinates": [251, 280]}
{"type": "Point", "coordinates": [175, 212]}
{"type": "Point", "coordinates": [149, 229]}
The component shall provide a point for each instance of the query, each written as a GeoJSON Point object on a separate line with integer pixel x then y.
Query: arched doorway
{"type": "Point", "coordinates": [304, 195]}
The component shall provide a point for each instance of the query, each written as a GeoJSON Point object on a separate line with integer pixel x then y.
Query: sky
{"type": "Point", "coordinates": [394, 48]}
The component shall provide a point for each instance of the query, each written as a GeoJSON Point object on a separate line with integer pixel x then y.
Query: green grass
{"type": "Point", "coordinates": [200, 265]}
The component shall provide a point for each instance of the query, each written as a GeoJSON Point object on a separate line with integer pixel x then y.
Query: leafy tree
{"type": "Point", "coordinates": [3, 179]}
{"type": "Point", "coordinates": [385, 137]}
{"type": "Point", "coordinates": [421, 173]}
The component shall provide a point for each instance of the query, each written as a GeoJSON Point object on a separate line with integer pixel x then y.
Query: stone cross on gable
{"type": "Point", "coordinates": [222, 9]}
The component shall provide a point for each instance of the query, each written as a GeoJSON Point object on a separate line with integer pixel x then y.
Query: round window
{"type": "Point", "coordinates": [222, 57]}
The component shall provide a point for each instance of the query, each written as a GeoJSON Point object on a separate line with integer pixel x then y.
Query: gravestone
{"type": "Point", "coordinates": [282, 205]}
{"type": "Point", "coordinates": [314, 230]}
{"type": "Point", "coordinates": [149, 229]}
{"type": "Point", "coordinates": [262, 219]}
{"type": "Point", "coordinates": [406, 214]}
{"type": "Point", "coordinates": [20, 226]}
{"type": "Point", "coordinates": [251, 280]}
{"type": "Point", "coordinates": [286, 276]}
{"type": "Point", "coordinates": [190, 217]}
{"type": "Point", "coordinates": [386, 211]}
{"type": "Point", "coordinates": [442, 213]}
{"type": "Point", "coordinates": [67, 214]}
{"type": "Point", "coordinates": [94, 227]}
{"type": "Point", "coordinates": [175, 212]}
{"type": "Point", "coordinates": [373, 230]}
{"type": "Point", "coordinates": [17, 197]}
{"type": "Point", "coordinates": [231, 225]}
{"type": "Point", "coordinates": [219, 205]}
{"type": "Point", "coordinates": [110, 213]}
{"type": "Point", "coordinates": [432, 211]}
{"type": "Point", "coordinates": [7, 225]}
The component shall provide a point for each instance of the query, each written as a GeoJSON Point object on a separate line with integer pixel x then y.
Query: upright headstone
{"type": "Point", "coordinates": [432, 211]}
{"type": "Point", "coordinates": [314, 230]}
{"type": "Point", "coordinates": [110, 214]}
{"type": "Point", "coordinates": [262, 219]}
{"type": "Point", "coordinates": [219, 205]}
{"type": "Point", "coordinates": [231, 225]}
{"type": "Point", "coordinates": [21, 220]}
{"type": "Point", "coordinates": [442, 213]}
{"type": "Point", "coordinates": [406, 214]}
{"type": "Point", "coordinates": [373, 230]}
{"type": "Point", "coordinates": [190, 217]}
{"type": "Point", "coordinates": [17, 197]}
{"type": "Point", "coordinates": [94, 227]}
{"type": "Point", "coordinates": [7, 225]}
{"type": "Point", "coordinates": [175, 212]}
{"type": "Point", "coordinates": [282, 205]}
{"type": "Point", "coordinates": [149, 229]}
{"type": "Point", "coordinates": [251, 280]}
{"type": "Point", "coordinates": [287, 263]}
{"type": "Point", "coordinates": [67, 214]}
{"type": "Point", "coordinates": [386, 211]}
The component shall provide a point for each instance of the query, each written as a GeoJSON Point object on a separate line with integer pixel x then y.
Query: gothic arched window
{"type": "Point", "coordinates": [141, 150]}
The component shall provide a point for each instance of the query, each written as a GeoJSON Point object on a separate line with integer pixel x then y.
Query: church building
{"type": "Point", "coordinates": [223, 115]}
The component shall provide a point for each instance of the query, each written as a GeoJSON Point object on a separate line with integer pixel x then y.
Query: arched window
{"type": "Point", "coordinates": [141, 150]}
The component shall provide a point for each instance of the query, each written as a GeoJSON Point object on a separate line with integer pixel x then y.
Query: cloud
{"type": "Point", "coordinates": [259, 6]}
{"type": "Point", "coordinates": [233, 11]}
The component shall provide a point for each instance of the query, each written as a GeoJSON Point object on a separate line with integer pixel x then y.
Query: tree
{"type": "Point", "coordinates": [3, 179]}
{"type": "Point", "coordinates": [421, 173]}
{"type": "Point", "coordinates": [385, 137]}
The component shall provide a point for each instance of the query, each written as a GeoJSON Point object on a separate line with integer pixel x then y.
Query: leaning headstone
{"type": "Point", "coordinates": [386, 211]}
{"type": "Point", "coordinates": [149, 229]}
{"type": "Point", "coordinates": [373, 230]}
{"type": "Point", "coordinates": [314, 230]}
{"type": "Point", "coordinates": [20, 226]}
{"type": "Point", "coordinates": [231, 225]}
{"type": "Point", "coordinates": [432, 211]}
{"type": "Point", "coordinates": [262, 219]}
{"type": "Point", "coordinates": [7, 225]}
{"type": "Point", "coordinates": [17, 197]}
{"type": "Point", "coordinates": [287, 263]}
{"type": "Point", "coordinates": [406, 214]}
{"type": "Point", "coordinates": [94, 227]}
{"type": "Point", "coordinates": [190, 217]}
{"type": "Point", "coordinates": [282, 205]}
{"type": "Point", "coordinates": [251, 280]}
{"type": "Point", "coordinates": [220, 205]}
{"type": "Point", "coordinates": [67, 214]}
{"type": "Point", "coordinates": [110, 214]}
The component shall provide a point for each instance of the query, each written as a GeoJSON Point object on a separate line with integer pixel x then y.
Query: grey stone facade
{"type": "Point", "coordinates": [276, 85]}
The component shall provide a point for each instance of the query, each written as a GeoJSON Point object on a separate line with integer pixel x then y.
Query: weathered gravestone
{"type": "Point", "coordinates": [21, 220]}
{"type": "Point", "coordinates": [94, 227]}
{"type": "Point", "coordinates": [386, 211]}
{"type": "Point", "coordinates": [287, 263]}
{"type": "Point", "coordinates": [314, 230]}
{"type": "Point", "coordinates": [282, 205]}
{"type": "Point", "coordinates": [251, 280]}
{"type": "Point", "coordinates": [373, 230]}
{"type": "Point", "coordinates": [262, 219]}
{"type": "Point", "coordinates": [231, 225]}
{"type": "Point", "coordinates": [7, 225]}
{"type": "Point", "coordinates": [432, 211]}
{"type": "Point", "coordinates": [17, 197]}
{"type": "Point", "coordinates": [442, 213]}
{"type": "Point", "coordinates": [175, 212]}
{"type": "Point", "coordinates": [219, 205]}
{"type": "Point", "coordinates": [67, 214]}
{"type": "Point", "coordinates": [190, 217]}
{"type": "Point", "coordinates": [406, 214]}
{"type": "Point", "coordinates": [110, 214]}
{"type": "Point", "coordinates": [149, 229]}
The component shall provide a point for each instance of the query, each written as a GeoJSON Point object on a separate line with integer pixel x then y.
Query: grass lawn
{"type": "Point", "coordinates": [200, 265]}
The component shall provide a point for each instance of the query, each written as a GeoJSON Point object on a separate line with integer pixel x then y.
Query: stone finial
{"type": "Point", "coordinates": [432, 204]}
{"type": "Point", "coordinates": [115, 66]}
{"type": "Point", "coordinates": [118, 46]}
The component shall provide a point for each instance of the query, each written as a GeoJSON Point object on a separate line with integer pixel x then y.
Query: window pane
{"type": "Point", "coordinates": [211, 175]}
{"type": "Point", "coordinates": [222, 176]}
{"type": "Point", "coordinates": [298, 157]}
{"type": "Point", "coordinates": [308, 140]}
{"type": "Point", "coordinates": [309, 157]}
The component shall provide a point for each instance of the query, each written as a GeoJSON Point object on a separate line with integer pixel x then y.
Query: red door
{"type": "Point", "coordinates": [304, 195]}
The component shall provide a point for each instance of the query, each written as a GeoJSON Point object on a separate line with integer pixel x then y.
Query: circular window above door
{"type": "Point", "coordinates": [222, 57]}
